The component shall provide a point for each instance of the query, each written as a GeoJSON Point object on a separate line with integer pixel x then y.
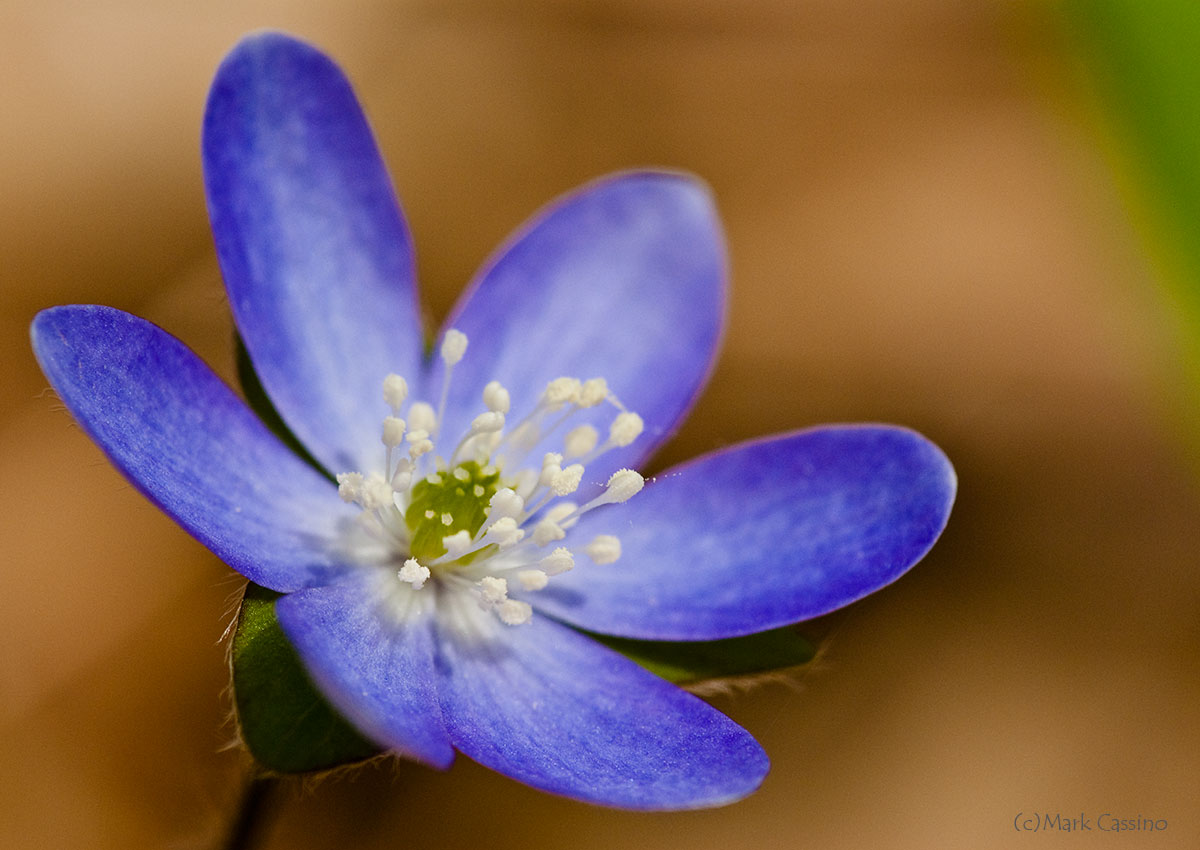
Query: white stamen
{"type": "Point", "coordinates": [402, 477]}
{"type": "Point", "coordinates": [393, 431]}
{"type": "Point", "coordinates": [457, 545]}
{"type": "Point", "coordinates": [418, 442]}
{"type": "Point", "coordinates": [504, 533]}
{"type": "Point", "coordinates": [505, 503]}
{"type": "Point", "coordinates": [492, 590]}
{"type": "Point", "coordinates": [622, 486]}
{"type": "Point", "coordinates": [422, 417]}
{"type": "Point", "coordinates": [376, 493]}
{"type": "Point", "coordinates": [413, 573]}
{"type": "Point", "coordinates": [604, 549]}
{"type": "Point", "coordinates": [514, 612]}
{"type": "Point", "coordinates": [559, 513]}
{"type": "Point", "coordinates": [561, 391]}
{"type": "Point", "coordinates": [550, 467]}
{"type": "Point", "coordinates": [566, 481]}
{"type": "Point", "coordinates": [626, 428]}
{"type": "Point", "coordinates": [593, 392]}
{"type": "Point", "coordinates": [532, 579]}
{"type": "Point", "coordinates": [350, 486]}
{"type": "Point", "coordinates": [395, 391]}
{"type": "Point", "coordinates": [496, 397]}
{"type": "Point", "coordinates": [579, 441]}
{"type": "Point", "coordinates": [454, 346]}
{"type": "Point", "coordinates": [547, 531]}
{"type": "Point", "coordinates": [558, 561]}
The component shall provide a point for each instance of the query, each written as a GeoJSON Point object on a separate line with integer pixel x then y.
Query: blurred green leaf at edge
{"type": "Point", "coordinates": [1142, 61]}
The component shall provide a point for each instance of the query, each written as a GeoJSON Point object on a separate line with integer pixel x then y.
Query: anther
{"type": "Point", "coordinates": [421, 417]}
{"type": "Point", "coordinates": [395, 391]}
{"type": "Point", "coordinates": [514, 612]}
{"type": "Point", "coordinates": [350, 486]}
{"type": "Point", "coordinates": [492, 590]}
{"type": "Point", "coordinates": [393, 431]}
{"type": "Point", "coordinates": [375, 493]}
{"type": "Point", "coordinates": [579, 441]}
{"type": "Point", "coordinates": [413, 573]}
{"type": "Point", "coordinates": [593, 392]}
{"type": "Point", "coordinates": [623, 486]}
{"type": "Point", "coordinates": [604, 549]}
{"type": "Point", "coordinates": [626, 428]}
{"type": "Point", "coordinates": [561, 391]}
{"type": "Point", "coordinates": [557, 562]}
{"type": "Point", "coordinates": [496, 397]}
{"type": "Point", "coordinates": [566, 481]}
{"type": "Point", "coordinates": [532, 579]}
{"type": "Point", "coordinates": [454, 346]}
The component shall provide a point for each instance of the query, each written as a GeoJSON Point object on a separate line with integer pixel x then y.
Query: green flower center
{"type": "Point", "coordinates": [447, 502]}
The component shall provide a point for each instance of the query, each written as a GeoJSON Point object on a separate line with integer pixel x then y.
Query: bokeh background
{"type": "Point", "coordinates": [930, 223]}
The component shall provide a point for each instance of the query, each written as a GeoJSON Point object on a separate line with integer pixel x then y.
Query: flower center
{"type": "Point", "coordinates": [484, 516]}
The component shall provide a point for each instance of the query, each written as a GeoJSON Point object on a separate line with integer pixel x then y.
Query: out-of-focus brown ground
{"type": "Point", "coordinates": [922, 231]}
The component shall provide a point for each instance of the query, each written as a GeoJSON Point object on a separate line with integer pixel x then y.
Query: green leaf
{"type": "Point", "coordinates": [285, 722]}
{"type": "Point", "coordinates": [688, 662]}
{"type": "Point", "coordinates": [1141, 58]}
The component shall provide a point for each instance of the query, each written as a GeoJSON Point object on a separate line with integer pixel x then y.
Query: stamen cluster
{"type": "Point", "coordinates": [483, 517]}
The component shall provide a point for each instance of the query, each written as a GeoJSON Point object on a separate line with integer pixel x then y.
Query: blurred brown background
{"type": "Point", "coordinates": [923, 230]}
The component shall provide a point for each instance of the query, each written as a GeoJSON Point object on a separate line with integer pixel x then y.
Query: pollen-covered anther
{"type": "Point", "coordinates": [622, 486]}
{"type": "Point", "coordinates": [393, 431]}
{"type": "Point", "coordinates": [579, 441]}
{"type": "Point", "coordinates": [557, 562]}
{"type": "Point", "coordinates": [603, 549]}
{"type": "Point", "coordinates": [418, 443]}
{"type": "Point", "coordinates": [551, 466]}
{"type": "Point", "coordinates": [496, 397]}
{"type": "Point", "coordinates": [505, 503]}
{"type": "Point", "coordinates": [457, 545]}
{"type": "Point", "coordinates": [514, 612]}
{"type": "Point", "coordinates": [566, 481]}
{"type": "Point", "coordinates": [492, 590]}
{"type": "Point", "coordinates": [413, 573]}
{"type": "Point", "coordinates": [376, 493]}
{"type": "Point", "coordinates": [626, 428]}
{"type": "Point", "coordinates": [395, 391]}
{"type": "Point", "coordinates": [422, 417]}
{"type": "Point", "coordinates": [561, 391]}
{"type": "Point", "coordinates": [593, 392]}
{"type": "Point", "coordinates": [547, 531]}
{"type": "Point", "coordinates": [454, 346]}
{"type": "Point", "coordinates": [350, 486]}
{"type": "Point", "coordinates": [505, 533]}
{"type": "Point", "coordinates": [533, 579]}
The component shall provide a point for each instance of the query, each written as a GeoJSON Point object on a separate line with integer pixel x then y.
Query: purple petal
{"type": "Point", "coordinates": [760, 535]}
{"type": "Point", "coordinates": [625, 280]}
{"type": "Point", "coordinates": [557, 711]}
{"type": "Point", "coordinates": [316, 255]}
{"type": "Point", "coordinates": [374, 668]}
{"type": "Point", "coordinates": [193, 447]}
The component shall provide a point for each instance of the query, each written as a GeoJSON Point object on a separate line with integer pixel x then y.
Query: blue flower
{"type": "Point", "coordinates": [485, 503]}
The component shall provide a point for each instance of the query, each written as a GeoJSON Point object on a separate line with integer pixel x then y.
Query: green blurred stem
{"type": "Point", "coordinates": [254, 814]}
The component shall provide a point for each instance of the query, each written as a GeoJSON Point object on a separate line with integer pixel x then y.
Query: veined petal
{"type": "Point", "coordinates": [315, 252]}
{"type": "Point", "coordinates": [760, 535]}
{"type": "Point", "coordinates": [624, 280]}
{"type": "Point", "coordinates": [554, 709]}
{"type": "Point", "coordinates": [373, 665]}
{"type": "Point", "coordinates": [192, 446]}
